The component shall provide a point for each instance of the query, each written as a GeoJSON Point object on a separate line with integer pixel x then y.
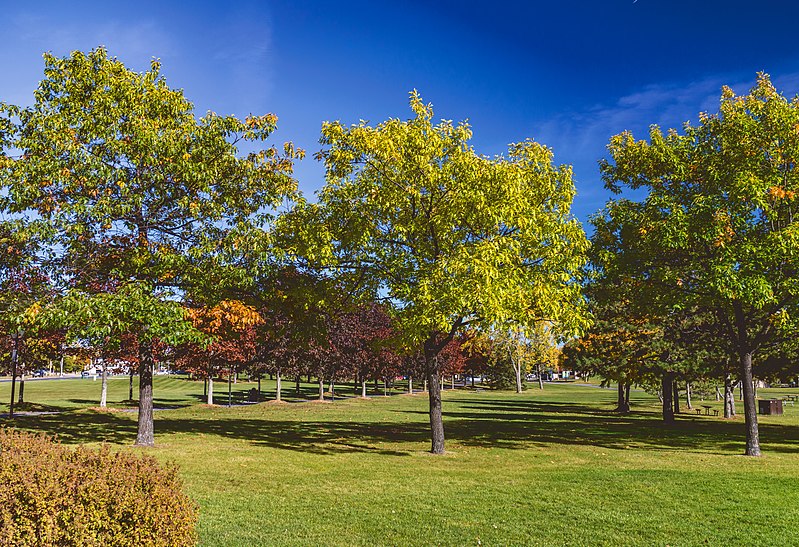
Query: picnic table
{"type": "Point", "coordinates": [708, 408]}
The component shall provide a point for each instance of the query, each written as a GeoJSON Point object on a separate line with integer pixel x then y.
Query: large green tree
{"type": "Point", "coordinates": [715, 229]}
{"type": "Point", "coordinates": [136, 189]}
{"type": "Point", "coordinates": [453, 238]}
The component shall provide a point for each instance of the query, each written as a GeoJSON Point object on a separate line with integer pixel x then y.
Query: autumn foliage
{"type": "Point", "coordinates": [57, 495]}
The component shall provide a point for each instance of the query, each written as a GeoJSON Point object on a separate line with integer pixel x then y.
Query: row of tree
{"type": "Point", "coordinates": [127, 217]}
{"type": "Point", "coordinates": [134, 227]}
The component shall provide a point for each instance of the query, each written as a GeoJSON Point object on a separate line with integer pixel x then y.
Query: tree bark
{"type": "Point", "coordinates": [321, 388]}
{"type": "Point", "coordinates": [434, 395]}
{"type": "Point", "coordinates": [363, 388]}
{"type": "Point", "coordinates": [729, 397]}
{"type": "Point", "coordinates": [627, 396]}
{"type": "Point", "coordinates": [718, 394]}
{"type": "Point", "coordinates": [104, 386]}
{"type": "Point", "coordinates": [436, 418]}
{"type": "Point", "coordinates": [21, 388]}
{"type": "Point", "coordinates": [210, 397]}
{"type": "Point", "coordinates": [229, 388]}
{"type": "Point", "coordinates": [385, 387]}
{"type": "Point", "coordinates": [676, 397]}
{"type": "Point", "coordinates": [410, 385]}
{"type": "Point", "coordinates": [540, 378]}
{"type": "Point", "coordinates": [278, 386]}
{"type": "Point", "coordinates": [297, 384]}
{"type": "Point", "coordinates": [621, 403]}
{"type": "Point", "coordinates": [750, 407]}
{"type": "Point", "coordinates": [14, 362]}
{"type": "Point", "coordinates": [688, 395]}
{"type": "Point", "coordinates": [517, 369]}
{"type": "Point", "coordinates": [145, 435]}
{"type": "Point", "coordinates": [667, 389]}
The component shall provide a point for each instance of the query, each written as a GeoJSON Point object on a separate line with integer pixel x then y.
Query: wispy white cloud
{"type": "Point", "coordinates": [579, 138]}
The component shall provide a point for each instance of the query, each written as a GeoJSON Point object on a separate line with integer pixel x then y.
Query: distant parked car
{"type": "Point", "coordinates": [85, 374]}
{"type": "Point", "coordinates": [41, 373]}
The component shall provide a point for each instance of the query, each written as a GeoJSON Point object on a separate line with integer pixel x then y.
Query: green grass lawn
{"type": "Point", "coordinates": [556, 467]}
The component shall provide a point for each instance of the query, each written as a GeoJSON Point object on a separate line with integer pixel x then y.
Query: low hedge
{"type": "Point", "coordinates": [56, 495]}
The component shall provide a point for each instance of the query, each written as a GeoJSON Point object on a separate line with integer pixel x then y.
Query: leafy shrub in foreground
{"type": "Point", "coordinates": [56, 495]}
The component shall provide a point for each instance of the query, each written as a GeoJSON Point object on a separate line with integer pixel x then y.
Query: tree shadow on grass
{"type": "Point", "coordinates": [487, 424]}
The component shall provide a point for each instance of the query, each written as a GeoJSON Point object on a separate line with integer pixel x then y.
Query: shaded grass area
{"type": "Point", "coordinates": [550, 468]}
{"type": "Point", "coordinates": [169, 392]}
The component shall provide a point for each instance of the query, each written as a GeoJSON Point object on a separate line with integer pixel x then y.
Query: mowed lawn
{"type": "Point", "coordinates": [552, 467]}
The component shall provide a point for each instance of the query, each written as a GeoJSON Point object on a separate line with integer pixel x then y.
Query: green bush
{"type": "Point", "coordinates": [56, 495]}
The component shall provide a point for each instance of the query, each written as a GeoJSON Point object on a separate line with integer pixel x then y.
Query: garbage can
{"type": "Point", "coordinates": [770, 406]}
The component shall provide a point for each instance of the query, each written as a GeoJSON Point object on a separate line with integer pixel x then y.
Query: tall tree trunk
{"type": "Point", "coordinates": [718, 395]}
{"type": "Point", "coordinates": [453, 381]}
{"type": "Point", "coordinates": [750, 407]}
{"type": "Point", "coordinates": [14, 363]}
{"type": "Point", "coordinates": [229, 388]}
{"type": "Point", "coordinates": [621, 403]}
{"type": "Point", "coordinates": [363, 387]}
{"type": "Point", "coordinates": [210, 399]}
{"type": "Point", "coordinates": [668, 391]}
{"type": "Point", "coordinates": [332, 388]}
{"type": "Point", "coordinates": [321, 388]}
{"type": "Point", "coordinates": [385, 387]}
{"type": "Point", "coordinates": [278, 386]}
{"type": "Point", "coordinates": [540, 378]}
{"type": "Point", "coordinates": [434, 395]}
{"type": "Point", "coordinates": [21, 388]}
{"type": "Point", "coordinates": [676, 397]}
{"type": "Point", "coordinates": [145, 435]}
{"type": "Point", "coordinates": [627, 396]}
{"type": "Point", "coordinates": [436, 418]}
{"type": "Point", "coordinates": [410, 385]}
{"type": "Point", "coordinates": [688, 395]}
{"type": "Point", "coordinates": [61, 362]}
{"type": "Point", "coordinates": [297, 385]}
{"type": "Point", "coordinates": [425, 383]}
{"type": "Point", "coordinates": [472, 380]}
{"type": "Point", "coordinates": [729, 397]}
{"type": "Point", "coordinates": [104, 386]}
{"type": "Point", "coordinates": [377, 386]}
{"type": "Point", "coordinates": [517, 369]}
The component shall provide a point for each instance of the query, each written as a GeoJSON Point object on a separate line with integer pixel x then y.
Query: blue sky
{"type": "Point", "coordinates": [568, 74]}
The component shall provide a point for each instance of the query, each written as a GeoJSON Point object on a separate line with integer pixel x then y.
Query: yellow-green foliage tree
{"type": "Point", "coordinates": [716, 230]}
{"type": "Point", "coordinates": [453, 237]}
{"type": "Point", "coordinates": [133, 188]}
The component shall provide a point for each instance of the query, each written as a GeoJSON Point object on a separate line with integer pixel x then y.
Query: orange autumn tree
{"type": "Point", "coordinates": [231, 325]}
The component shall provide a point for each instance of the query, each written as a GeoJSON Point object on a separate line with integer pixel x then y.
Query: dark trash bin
{"type": "Point", "coordinates": [770, 406]}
